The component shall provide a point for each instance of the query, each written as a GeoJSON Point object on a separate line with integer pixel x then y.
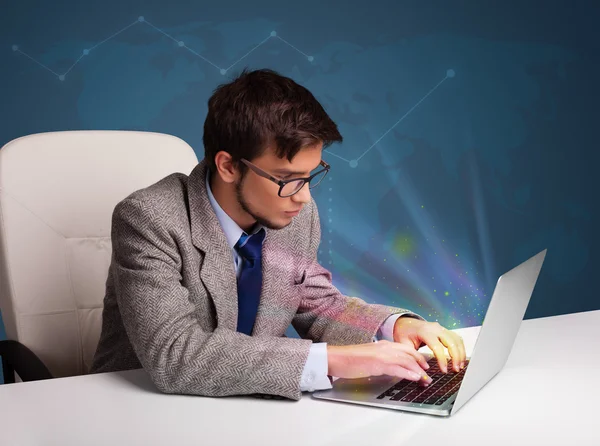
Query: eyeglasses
{"type": "Point", "coordinates": [287, 188]}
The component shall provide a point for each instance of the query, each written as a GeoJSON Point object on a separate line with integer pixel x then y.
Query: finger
{"type": "Point", "coordinates": [462, 355]}
{"type": "Point", "coordinates": [419, 357]}
{"type": "Point", "coordinates": [402, 372]}
{"type": "Point", "coordinates": [438, 350]}
{"type": "Point", "coordinates": [450, 340]}
{"type": "Point", "coordinates": [408, 343]}
{"type": "Point", "coordinates": [407, 357]}
{"type": "Point", "coordinates": [408, 362]}
{"type": "Point", "coordinates": [463, 352]}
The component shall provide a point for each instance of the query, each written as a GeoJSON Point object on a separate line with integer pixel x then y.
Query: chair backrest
{"type": "Point", "coordinates": [57, 194]}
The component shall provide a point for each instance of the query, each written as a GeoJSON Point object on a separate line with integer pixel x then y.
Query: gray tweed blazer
{"type": "Point", "coordinates": [171, 298]}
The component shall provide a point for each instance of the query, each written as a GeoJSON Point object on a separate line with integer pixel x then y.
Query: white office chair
{"type": "Point", "coordinates": [57, 194]}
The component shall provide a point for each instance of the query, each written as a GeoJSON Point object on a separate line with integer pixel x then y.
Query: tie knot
{"type": "Point", "coordinates": [250, 246]}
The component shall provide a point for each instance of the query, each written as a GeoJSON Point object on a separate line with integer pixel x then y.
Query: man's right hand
{"type": "Point", "coordinates": [375, 359]}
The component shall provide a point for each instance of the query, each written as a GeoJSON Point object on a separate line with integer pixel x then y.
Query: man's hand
{"type": "Point", "coordinates": [411, 331]}
{"type": "Point", "coordinates": [375, 359]}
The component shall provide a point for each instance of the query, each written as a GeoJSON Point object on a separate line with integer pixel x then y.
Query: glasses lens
{"type": "Point", "coordinates": [291, 188]}
{"type": "Point", "coordinates": [316, 180]}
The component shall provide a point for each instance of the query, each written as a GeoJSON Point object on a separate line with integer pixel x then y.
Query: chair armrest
{"type": "Point", "coordinates": [18, 358]}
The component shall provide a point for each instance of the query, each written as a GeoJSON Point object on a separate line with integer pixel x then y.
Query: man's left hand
{"type": "Point", "coordinates": [412, 331]}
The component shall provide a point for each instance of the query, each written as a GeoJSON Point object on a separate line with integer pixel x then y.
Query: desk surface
{"type": "Point", "coordinates": [516, 407]}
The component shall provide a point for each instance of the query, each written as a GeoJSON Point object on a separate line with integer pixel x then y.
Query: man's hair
{"type": "Point", "coordinates": [262, 108]}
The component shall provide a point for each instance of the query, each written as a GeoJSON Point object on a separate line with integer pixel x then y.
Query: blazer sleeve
{"type": "Point", "coordinates": [325, 314]}
{"type": "Point", "coordinates": [163, 329]}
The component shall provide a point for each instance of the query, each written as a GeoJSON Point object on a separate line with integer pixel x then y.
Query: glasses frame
{"type": "Point", "coordinates": [281, 183]}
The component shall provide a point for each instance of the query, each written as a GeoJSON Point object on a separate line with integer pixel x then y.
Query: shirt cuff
{"type": "Point", "coordinates": [314, 376]}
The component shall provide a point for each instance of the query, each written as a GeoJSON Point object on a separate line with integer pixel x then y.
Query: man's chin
{"type": "Point", "coordinates": [274, 225]}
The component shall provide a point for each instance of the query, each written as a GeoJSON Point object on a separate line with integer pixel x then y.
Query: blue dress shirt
{"type": "Point", "coordinates": [314, 375]}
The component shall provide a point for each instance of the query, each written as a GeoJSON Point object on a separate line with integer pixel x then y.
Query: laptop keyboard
{"type": "Point", "coordinates": [443, 386]}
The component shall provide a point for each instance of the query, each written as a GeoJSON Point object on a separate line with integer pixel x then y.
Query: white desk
{"type": "Point", "coordinates": [516, 407]}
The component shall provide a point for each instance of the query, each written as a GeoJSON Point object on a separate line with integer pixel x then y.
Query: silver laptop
{"type": "Point", "coordinates": [449, 392]}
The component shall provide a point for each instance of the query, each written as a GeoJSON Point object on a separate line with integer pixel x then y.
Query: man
{"type": "Point", "coordinates": [208, 271]}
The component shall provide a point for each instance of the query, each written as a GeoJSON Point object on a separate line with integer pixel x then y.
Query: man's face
{"type": "Point", "coordinates": [259, 197]}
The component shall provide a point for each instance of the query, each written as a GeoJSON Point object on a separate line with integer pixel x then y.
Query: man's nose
{"type": "Point", "coordinates": [303, 195]}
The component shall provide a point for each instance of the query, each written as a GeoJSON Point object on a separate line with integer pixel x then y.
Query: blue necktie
{"type": "Point", "coordinates": [249, 247]}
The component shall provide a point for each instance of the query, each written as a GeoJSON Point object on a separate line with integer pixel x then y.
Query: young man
{"type": "Point", "coordinates": [208, 271]}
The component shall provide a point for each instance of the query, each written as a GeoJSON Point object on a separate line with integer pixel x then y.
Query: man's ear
{"type": "Point", "coordinates": [225, 167]}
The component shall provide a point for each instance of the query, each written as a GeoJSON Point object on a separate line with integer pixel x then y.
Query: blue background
{"type": "Point", "coordinates": [470, 128]}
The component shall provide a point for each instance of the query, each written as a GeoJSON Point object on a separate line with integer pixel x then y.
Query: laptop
{"type": "Point", "coordinates": [447, 393]}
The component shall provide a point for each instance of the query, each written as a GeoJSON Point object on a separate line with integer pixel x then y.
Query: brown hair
{"type": "Point", "coordinates": [262, 108]}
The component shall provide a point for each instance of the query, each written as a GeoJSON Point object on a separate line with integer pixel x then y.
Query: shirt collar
{"type": "Point", "coordinates": [231, 229]}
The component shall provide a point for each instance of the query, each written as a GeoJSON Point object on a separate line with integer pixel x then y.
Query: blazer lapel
{"type": "Point", "coordinates": [217, 270]}
{"type": "Point", "coordinates": [265, 322]}
{"type": "Point", "coordinates": [277, 305]}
